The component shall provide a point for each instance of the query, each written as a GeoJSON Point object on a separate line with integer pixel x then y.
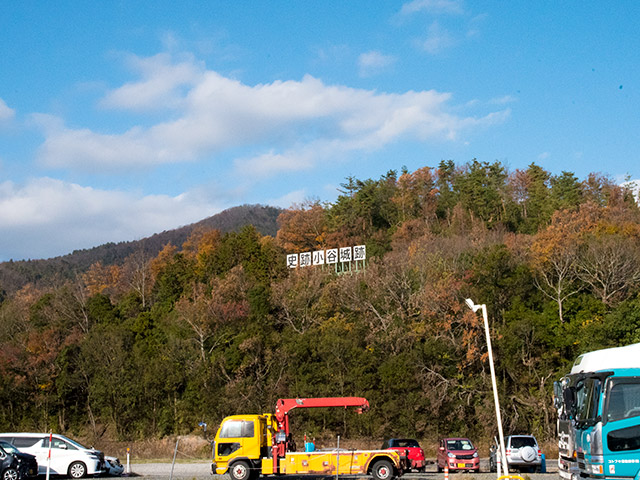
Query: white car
{"type": "Point", "coordinates": [68, 457]}
{"type": "Point", "coordinates": [523, 454]}
{"type": "Point", "coordinates": [113, 466]}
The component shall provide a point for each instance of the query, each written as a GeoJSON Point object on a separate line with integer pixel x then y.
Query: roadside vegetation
{"type": "Point", "coordinates": [218, 325]}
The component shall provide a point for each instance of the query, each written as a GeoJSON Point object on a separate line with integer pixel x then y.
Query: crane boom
{"type": "Point", "coordinates": [285, 405]}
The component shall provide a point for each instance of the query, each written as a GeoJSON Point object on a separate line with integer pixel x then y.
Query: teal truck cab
{"type": "Point", "coordinates": [598, 405]}
{"type": "Point", "coordinates": [608, 424]}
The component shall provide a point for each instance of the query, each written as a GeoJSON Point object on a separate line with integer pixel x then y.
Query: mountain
{"type": "Point", "coordinates": [15, 274]}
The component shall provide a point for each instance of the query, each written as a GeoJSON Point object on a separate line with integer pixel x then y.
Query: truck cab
{"type": "Point", "coordinates": [596, 418]}
{"type": "Point", "coordinates": [241, 443]}
{"type": "Point", "coordinates": [608, 424]}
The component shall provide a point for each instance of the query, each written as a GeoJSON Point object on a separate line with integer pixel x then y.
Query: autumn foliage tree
{"type": "Point", "coordinates": [219, 325]}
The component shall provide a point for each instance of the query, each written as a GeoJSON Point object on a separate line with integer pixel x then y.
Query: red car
{"type": "Point", "coordinates": [458, 454]}
{"type": "Point", "coordinates": [410, 448]}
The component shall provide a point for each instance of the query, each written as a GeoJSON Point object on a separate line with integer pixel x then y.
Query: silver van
{"type": "Point", "coordinates": [68, 457]}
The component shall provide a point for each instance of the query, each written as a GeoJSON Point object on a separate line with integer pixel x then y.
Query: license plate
{"type": "Point", "coordinates": [461, 465]}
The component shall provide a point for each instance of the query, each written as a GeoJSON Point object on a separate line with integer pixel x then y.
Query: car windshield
{"type": "Point", "coordinates": [7, 447]}
{"type": "Point", "coordinates": [406, 443]}
{"type": "Point", "coordinates": [520, 442]}
{"type": "Point", "coordinates": [78, 445]}
{"type": "Point", "coordinates": [459, 444]}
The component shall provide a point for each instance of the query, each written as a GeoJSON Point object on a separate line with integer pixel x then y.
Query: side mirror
{"type": "Point", "coordinates": [441, 449]}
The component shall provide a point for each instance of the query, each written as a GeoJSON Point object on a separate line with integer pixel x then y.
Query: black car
{"type": "Point", "coordinates": [15, 465]}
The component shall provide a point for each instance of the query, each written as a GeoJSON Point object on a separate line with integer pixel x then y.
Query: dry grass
{"type": "Point", "coordinates": [197, 448]}
{"type": "Point", "coordinates": [190, 448]}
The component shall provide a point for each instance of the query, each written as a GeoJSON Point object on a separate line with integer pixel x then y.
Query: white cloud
{"type": "Point", "coordinates": [438, 39]}
{"type": "Point", "coordinates": [543, 156]}
{"type": "Point", "coordinates": [453, 7]}
{"type": "Point", "coordinates": [6, 113]}
{"type": "Point", "coordinates": [292, 198]}
{"type": "Point", "coordinates": [159, 87]}
{"type": "Point", "coordinates": [373, 62]}
{"type": "Point", "coordinates": [503, 100]}
{"type": "Point", "coordinates": [280, 119]}
{"type": "Point", "coordinates": [272, 163]}
{"type": "Point", "coordinates": [70, 216]}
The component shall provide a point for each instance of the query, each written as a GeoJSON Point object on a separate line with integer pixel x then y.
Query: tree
{"type": "Point", "coordinates": [482, 191]}
{"type": "Point", "coordinates": [365, 214]}
{"type": "Point", "coordinates": [302, 227]}
{"type": "Point", "coordinates": [298, 299]}
{"type": "Point", "coordinates": [136, 273]}
{"type": "Point", "coordinates": [553, 255]}
{"type": "Point", "coordinates": [531, 194]}
{"type": "Point", "coordinates": [415, 195]}
{"type": "Point", "coordinates": [566, 191]}
{"type": "Point", "coordinates": [208, 308]}
{"type": "Point", "coordinates": [447, 198]}
{"type": "Point", "coordinates": [610, 265]}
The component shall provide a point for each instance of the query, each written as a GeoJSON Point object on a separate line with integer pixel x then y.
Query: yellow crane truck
{"type": "Point", "coordinates": [248, 446]}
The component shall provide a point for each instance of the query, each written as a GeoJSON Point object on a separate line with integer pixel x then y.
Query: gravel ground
{"type": "Point", "coordinates": [202, 471]}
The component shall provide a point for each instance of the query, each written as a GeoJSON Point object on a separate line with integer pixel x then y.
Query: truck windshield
{"type": "Point", "coordinates": [587, 396]}
{"type": "Point", "coordinates": [237, 429]}
{"type": "Point", "coordinates": [623, 399]}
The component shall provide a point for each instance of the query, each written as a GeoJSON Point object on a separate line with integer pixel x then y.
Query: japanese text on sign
{"type": "Point", "coordinates": [327, 257]}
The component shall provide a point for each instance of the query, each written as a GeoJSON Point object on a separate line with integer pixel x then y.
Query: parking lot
{"type": "Point", "coordinates": [202, 470]}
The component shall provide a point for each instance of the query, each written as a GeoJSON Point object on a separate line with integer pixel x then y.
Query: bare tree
{"type": "Point", "coordinates": [609, 264]}
{"type": "Point", "coordinates": [137, 271]}
{"type": "Point", "coordinates": [554, 253]}
{"type": "Point", "coordinates": [556, 277]}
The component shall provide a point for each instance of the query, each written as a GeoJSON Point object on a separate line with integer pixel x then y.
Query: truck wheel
{"type": "Point", "coordinates": [240, 471]}
{"type": "Point", "coordinates": [382, 470]}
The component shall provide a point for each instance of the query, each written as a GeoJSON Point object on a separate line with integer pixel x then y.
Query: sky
{"type": "Point", "coordinates": [121, 119]}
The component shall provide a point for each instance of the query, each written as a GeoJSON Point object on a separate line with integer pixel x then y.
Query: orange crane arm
{"type": "Point", "coordinates": [285, 405]}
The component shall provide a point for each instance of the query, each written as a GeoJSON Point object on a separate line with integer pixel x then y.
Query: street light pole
{"type": "Point", "coordinates": [475, 308]}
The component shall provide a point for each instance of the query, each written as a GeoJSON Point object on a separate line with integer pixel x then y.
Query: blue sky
{"type": "Point", "coordinates": [121, 119]}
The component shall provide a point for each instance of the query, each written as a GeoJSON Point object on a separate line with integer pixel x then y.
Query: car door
{"type": "Point", "coordinates": [440, 460]}
{"type": "Point", "coordinates": [62, 455]}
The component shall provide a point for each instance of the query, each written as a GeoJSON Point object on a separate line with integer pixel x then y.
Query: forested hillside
{"type": "Point", "coordinates": [218, 325]}
{"type": "Point", "coordinates": [45, 272]}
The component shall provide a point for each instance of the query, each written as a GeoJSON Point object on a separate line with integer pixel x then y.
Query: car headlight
{"type": "Point", "coordinates": [475, 454]}
{"type": "Point", "coordinates": [450, 455]}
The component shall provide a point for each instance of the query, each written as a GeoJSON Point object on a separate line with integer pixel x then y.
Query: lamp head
{"type": "Point", "coordinates": [472, 305]}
